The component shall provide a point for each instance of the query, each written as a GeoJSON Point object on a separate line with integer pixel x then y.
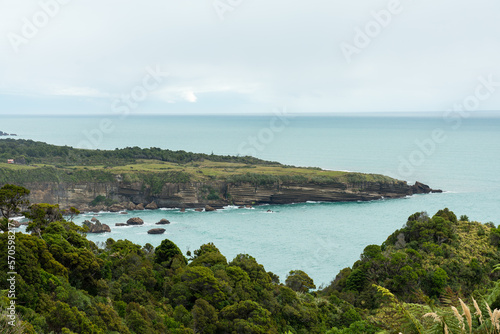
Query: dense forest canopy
{"type": "Point", "coordinates": [32, 152]}
{"type": "Point", "coordinates": [437, 274]}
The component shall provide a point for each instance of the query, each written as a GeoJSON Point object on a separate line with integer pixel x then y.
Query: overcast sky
{"type": "Point", "coordinates": [247, 56]}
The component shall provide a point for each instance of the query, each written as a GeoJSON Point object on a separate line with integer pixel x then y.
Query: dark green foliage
{"type": "Point", "coordinates": [438, 280]}
{"type": "Point", "coordinates": [204, 317]}
{"type": "Point", "coordinates": [38, 152]}
{"type": "Point", "coordinates": [51, 174]}
{"type": "Point", "coordinates": [12, 199]}
{"type": "Point", "coordinates": [209, 193]}
{"type": "Point", "coordinates": [299, 281]}
{"type": "Point", "coordinates": [167, 253]}
{"type": "Point", "coordinates": [495, 236]}
{"type": "Point", "coordinates": [41, 215]}
{"type": "Point", "coordinates": [423, 258]}
{"type": "Point", "coordinates": [267, 179]}
{"type": "Point", "coordinates": [356, 280]}
{"type": "Point", "coordinates": [207, 256]}
{"type": "Point", "coordinates": [447, 215]}
{"type": "Point", "coordinates": [101, 200]}
{"type": "Point", "coordinates": [66, 284]}
{"type": "Point", "coordinates": [245, 317]}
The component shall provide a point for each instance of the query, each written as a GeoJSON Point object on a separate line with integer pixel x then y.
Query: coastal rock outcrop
{"type": "Point", "coordinates": [116, 208]}
{"type": "Point", "coordinates": [121, 224]}
{"type": "Point", "coordinates": [208, 208]}
{"type": "Point", "coordinates": [190, 194]}
{"type": "Point", "coordinates": [135, 221]}
{"type": "Point", "coordinates": [152, 206]}
{"type": "Point", "coordinates": [96, 227]}
{"type": "Point", "coordinates": [163, 222]}
{"type": "Point", "coordinates": [156, 231]}
{"type": "Point", "coordinates": [420, 188]}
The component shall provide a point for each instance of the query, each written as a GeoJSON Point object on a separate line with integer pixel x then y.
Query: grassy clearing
{"type": "Point", "coordinates": [199, 171]}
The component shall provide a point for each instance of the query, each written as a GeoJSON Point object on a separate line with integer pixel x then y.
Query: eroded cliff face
{"type": "Point", "coordinates": [196, 195]}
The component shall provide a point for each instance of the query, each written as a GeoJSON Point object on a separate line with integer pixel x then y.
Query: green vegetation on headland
{"type": "Point", "coordinates": [437, 274]}
{"type": "Point", "coordinates": [41, 162]}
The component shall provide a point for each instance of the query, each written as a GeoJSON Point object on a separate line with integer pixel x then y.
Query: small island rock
{"type": "Point", "coordinates": [96, 227]}
{"type": "Point", "coordinates": [163, 222]}
{"type": "Point", "coordinates": [156, 231]}
{"type": "Point", "coordinates": [135, 221]}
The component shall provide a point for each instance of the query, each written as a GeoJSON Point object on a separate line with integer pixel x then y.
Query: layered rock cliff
{"type": "Point", "coordinates": [216, 193]}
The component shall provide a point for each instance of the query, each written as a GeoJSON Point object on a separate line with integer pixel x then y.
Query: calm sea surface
{"type": "Point", "coordinates": [319, 238]}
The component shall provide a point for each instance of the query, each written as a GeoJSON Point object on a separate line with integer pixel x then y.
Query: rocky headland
{"type": "Point", "coordinates": [139, 196]}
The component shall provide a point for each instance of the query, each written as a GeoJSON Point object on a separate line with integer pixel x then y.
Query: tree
{"type": "Point", "coordinates": [299, 281]}
{"type": "Point", "coordinates": [437, 281]}
{"type": "Point", "coordinates": [71, 212]}
{"type": "Point", "coordinates": [42, 215]}
{"type": "Point", "coordinates": [204, 317]}
{"type": "Point", "coordinates": [167, 252]}
{"type": "Point", "coordinates": [12, 199]}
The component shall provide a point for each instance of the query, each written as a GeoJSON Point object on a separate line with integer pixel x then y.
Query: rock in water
{"type": "Point", "coordinates": [94, 219]}
{"type": "Point", "coordinates": [97, 227]}
{"type": "Point", "coordinates": [121, 224]}
{"type": "Point", "coordinates": [420, 188]}
{"type": "Point", "coordinates": [135, 221]}
{"type": "Point", "coordinates": [208, 208]}
{"type": "Point", "coordinates": [198, 210]}
{"type": "Point", "coordinates": [139, 206]}
{"type": "Point", "coordinates": [183, 209]}
{"type": "Point", "coordinates": [152, 206]}
{"type": "Point", "coordinates": [163, 222]}
{"type": "Point", "coordinates": [156, 231]}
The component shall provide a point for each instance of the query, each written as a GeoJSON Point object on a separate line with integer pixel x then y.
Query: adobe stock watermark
{"type": "Point", "coordinates": [363, 36]}
{"type": "Point", "coordinates": [11, 275]}
{"type": "Point", "coordinates": [222, 7]}
{"type": "Point", "coordinates": [453, 117]}
{"type": "Point", "coordinates": [255, 144]}
{"type": "Point", "coordinates": [48, 9]}
{"type": "Point", "coordinates": [123, 105]}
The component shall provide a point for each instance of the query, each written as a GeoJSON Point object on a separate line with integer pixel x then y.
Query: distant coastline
{"type": "Point", "coordinates": [135, 178]}
{"type": "Point", "coordinates": [7, 134]}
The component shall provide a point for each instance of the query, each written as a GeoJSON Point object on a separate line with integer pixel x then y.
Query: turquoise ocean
{"type": "Point", "coordinates": [459, 156]}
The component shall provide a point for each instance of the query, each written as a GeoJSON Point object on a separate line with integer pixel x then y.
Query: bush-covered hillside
{"type": "Point", "coordinates": [33, 152]}
{"type": "Point", "coordinates": [41, 162]}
